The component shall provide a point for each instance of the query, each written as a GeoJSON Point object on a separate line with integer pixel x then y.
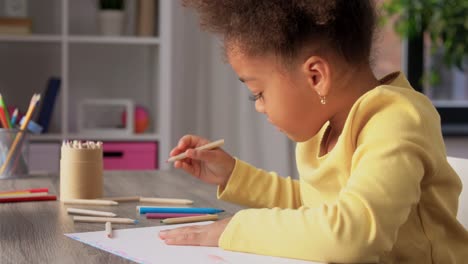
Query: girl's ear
{"type": "Point", "coordinates": [317, 71]}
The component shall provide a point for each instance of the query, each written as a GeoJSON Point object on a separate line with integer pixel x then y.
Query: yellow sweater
{"type": "Point", "coordinates": [385, 193]}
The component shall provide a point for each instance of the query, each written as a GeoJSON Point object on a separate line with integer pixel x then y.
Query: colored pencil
{"type": "Point", "coordinates": [3, 120]}
{"type": "Point", "coordinates": [14, 117]}
{"type": "Point", "coordinates": [168, 215]}
{"type": "Point", "coordinates": [109, 229]}
{"type": "Point", "coordinates": [22, 195]}
{"type": "Point", "coordinates": [191, 210]}
{"type": "Point", "coordinates": [123, 198]}
{"type": "Point", "coordinates": [90, 212]}
{"type": "Point", "coordinates": [161, 206]}
{"type": "Point", "coordinates": [212, 145]}
{"type": "Point", "coordinates": [5, 112]}
{"type": "Point", "coordinates": [36, 190]}
{"type": "Point", "coordinates": [89, 202]}
{"type": "Point", "coordinates": [165, 200]}
{"type": "Point", "coordinates": [28, 199]}
{"type": "Point", "coordinates": [190, 219]}
{"type": "Point", "coordinates": [32, 105]}
{"type": "Point", "coordinates": [92, 219]}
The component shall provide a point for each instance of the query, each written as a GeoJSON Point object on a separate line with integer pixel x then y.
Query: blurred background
{"type": "Point", "coordinates": [139, 74]}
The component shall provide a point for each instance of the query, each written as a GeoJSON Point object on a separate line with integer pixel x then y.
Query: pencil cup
{"type": "Point", "coordinates": [14, 149]}
{"type": "Point", "coordinates": [81, 171]}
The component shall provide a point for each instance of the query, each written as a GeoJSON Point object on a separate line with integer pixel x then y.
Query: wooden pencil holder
{"type": "Point", "coordinates": [81, 172]}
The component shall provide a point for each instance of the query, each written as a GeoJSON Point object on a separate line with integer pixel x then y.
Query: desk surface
{"type": "Point", "coordinates": [33, 232]}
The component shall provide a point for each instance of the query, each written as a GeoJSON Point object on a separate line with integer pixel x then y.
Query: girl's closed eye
{"type": "Point", "coordinates": [255, 97]}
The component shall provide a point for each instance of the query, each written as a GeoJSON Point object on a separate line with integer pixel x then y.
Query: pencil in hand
{"type": "Point", "coordinates": [212, 145]}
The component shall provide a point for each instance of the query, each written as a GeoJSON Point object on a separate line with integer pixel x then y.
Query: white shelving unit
{"type": "Point", "coordinates": [65, 44]}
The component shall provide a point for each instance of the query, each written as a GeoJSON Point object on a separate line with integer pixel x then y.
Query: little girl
{"type": "Point", "coordinates": [374, 186]}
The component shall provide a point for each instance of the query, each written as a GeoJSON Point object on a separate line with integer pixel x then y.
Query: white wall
{"type": "Point", "coordinates": [457, 146]}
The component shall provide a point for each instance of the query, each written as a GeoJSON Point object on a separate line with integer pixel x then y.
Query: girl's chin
{"type": "Point", "coordinates": [296, 138]}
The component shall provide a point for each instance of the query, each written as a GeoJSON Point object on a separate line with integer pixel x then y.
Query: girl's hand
{"type": "Point", "coordinates": [212, 166]}
{"type": "Point", "coordinates": [197, 235]}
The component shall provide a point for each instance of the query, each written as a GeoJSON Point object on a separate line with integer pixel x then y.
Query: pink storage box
{"type": "Point", "coordinates": [130, 155]}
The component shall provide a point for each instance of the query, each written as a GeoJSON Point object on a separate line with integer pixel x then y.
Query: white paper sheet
{"type": "Point", "coordinates": [143, 245]}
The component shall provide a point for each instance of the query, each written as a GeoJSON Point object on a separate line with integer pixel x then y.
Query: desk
{"type": "Point", "coordinates": [33, 232]}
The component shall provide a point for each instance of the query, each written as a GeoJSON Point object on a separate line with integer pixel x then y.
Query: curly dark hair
{"type": "Point", "coordinates": [287, 27]}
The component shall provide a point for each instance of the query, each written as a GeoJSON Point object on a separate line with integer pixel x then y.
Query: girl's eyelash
{"type": "Point", "coordinates": [255, 97]}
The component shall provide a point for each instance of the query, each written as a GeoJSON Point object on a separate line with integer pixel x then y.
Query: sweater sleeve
{"type": "Point", "coordinates": [363, 222]}
{"type": "Point", "coordinates": [257, 188]}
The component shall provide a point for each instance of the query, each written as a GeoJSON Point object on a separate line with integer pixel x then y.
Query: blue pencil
{"type": "Point", "coordinates": [186, 210]}
{"type": "Point", "coordinates": [14, 117]}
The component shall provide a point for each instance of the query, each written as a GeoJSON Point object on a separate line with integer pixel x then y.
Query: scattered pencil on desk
{"type": "Point", "coordinates": [190, 210]}
{"type": "Point", "coordinates": [89, 202]}
{"type": "Point", "coordinates": [90, 212]}
{"type": "Point", "coordinates": [109, 229]}
{"type": "Point", "coordinates": [28, 199]}
{"type": "Point", "coordinates": [212, 145]}
{"type": "Point", "coordinates": [95, 219]}
{"type": "Point", "coordinates": [22, 195]}
{"type": "Point", "coordinates": [190, 219]}
{"type": "Point", "coordinates": [161, 206]}
{"type": "Point", "coordinates": [165, 201]}
{"type": "Point", "coordinates": [123, 199]}
{"type": "Point", "coordinates": [168, 215]}
{"type": "Point", "coordinates": [36, 190]}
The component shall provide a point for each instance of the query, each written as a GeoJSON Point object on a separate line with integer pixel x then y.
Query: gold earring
{"type": "Point", "coordinates": [323, 99]}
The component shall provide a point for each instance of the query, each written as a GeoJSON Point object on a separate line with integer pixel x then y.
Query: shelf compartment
{"type": "Point", "coordinates": [31, 38]}
{"type": "Point", "coordinates": [114, 40]}
{"type": "Point", "coordinates": [26, 68]}
{"type": "Point", "coordinates": [113, 72]}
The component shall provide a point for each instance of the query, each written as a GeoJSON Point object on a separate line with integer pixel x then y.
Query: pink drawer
{"type": "Point", "coordinates": [130, 155]}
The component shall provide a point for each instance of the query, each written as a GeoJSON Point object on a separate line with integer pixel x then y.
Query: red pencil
{"type": "Point", "coordinates": [28, 199]}
{"type": "Point", "coordinates": [36, 190]}
{"type": "Point", "coordinates": [3, 119]}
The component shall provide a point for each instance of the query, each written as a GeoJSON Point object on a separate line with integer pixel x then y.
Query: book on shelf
{"type": "Point", "coordinates": [15, 26]}
{"type": "Point", "coordinates": [48, 103]}
{"type": "Point", "coordinates": [146, 18]}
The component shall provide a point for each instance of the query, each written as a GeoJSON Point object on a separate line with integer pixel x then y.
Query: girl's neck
{"type": "Point", "coordinates": [351, 86]}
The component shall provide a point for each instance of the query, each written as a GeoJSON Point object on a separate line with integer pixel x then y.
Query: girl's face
{"type": "Point", "coordinates": [285, 96]}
